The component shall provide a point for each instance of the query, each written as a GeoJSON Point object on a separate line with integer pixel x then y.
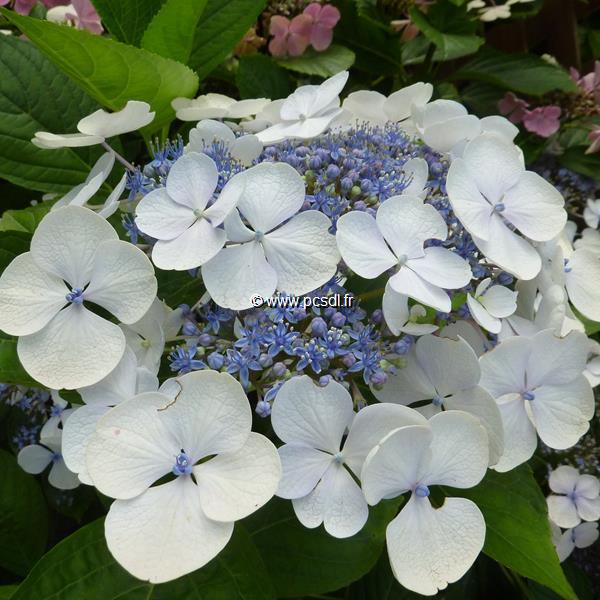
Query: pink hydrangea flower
{"type": "Point", "coordinates": [85, 16]}
{"type": "Point", "coordinates": [543, 120]}
{"type": "Point", "coordinates": [513, 107]}
{"type": "Point", "coordinates": [590, 83]}
{"type": "Point", "coordinates": [594, 137]}
{"type": "Point", "coordinates": [289, 37]}
{"type": "Point", "coordinates": [323, 18]}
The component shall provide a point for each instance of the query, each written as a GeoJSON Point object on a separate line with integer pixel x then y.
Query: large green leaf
{"type": "Point", "coordinates": [577, 160]}
{"type": "Point", "coordinates": [172, 31]}
{"type": "Point", "coordinates": [324, 64]}
{"type": "Point", "coordinates": [305, 561]}
{"type": "Point", "coordinates": [127, 20]}
{"type": "Point", "coordinates": [34, 96]}
{"type": "Point", "coordinates": [23, 517]}
{"type": "Point", "coordinates": [111, 72]}
{"type": "Point", "coordinates": [523, 73]}
{"type": "Point", "coordinates": [518, 531]}
{"type": "Point", "coordinates": [258, 76]}
{"type": "Point", "coordinates": [82, 567]}
{"type": "Point", "coordinates": [449, 29]}
{"type": "Point", "coordinates": [221, 27]}
{"type": "Point", "coordinates": [12, 243]}
{"type": "Point", "coordinates": [179, 287]}
{"type": "Point", "coordinates": [25, 219]}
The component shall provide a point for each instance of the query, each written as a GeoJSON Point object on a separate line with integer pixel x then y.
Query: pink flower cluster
{"type": "Point", "coordinates": [313, 27]}
{"type": "Point", "coordinates": [542, 120]}
{"type": "Point", "coordinates": [84, 15]}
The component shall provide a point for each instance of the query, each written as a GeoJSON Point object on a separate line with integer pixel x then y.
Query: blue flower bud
{"type": "Point", "coordinates": [318, 327]}
{"type": "Point", "coordinates": [215, 360]}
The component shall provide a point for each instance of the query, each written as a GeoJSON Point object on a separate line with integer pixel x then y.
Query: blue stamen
{"type": "Point", "coordinates": [259, 236]}
{"type": "Point", "coordinates": [437, 401]}
{"type": "Point", "coordinates": [529, 396]}
{"type": "Point", "coordinates": [75, 296]}
{"type": "Point", "coordinates": [338, 458]}
{"type": "Point", "coordinates": [567, 269]}
{"type": "Point", "coordinates": [499, 207]}
{"type": "Point", "coordinates": [183, 465]}
{"type": "Point", "coordinates": [422, 491]}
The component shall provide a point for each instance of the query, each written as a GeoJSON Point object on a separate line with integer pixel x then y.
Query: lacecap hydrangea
{"type": "Point", "coordinates": [382, 278]}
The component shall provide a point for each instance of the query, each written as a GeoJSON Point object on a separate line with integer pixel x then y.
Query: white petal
{"type": "Point", "coordinates": [117, 386]}
{"type": "Point", "coordinates": [237, 273]}
{"type": "Point", "coordinates": [337, 502]}
{"type": "Point", "coordinates": [393, 466]}
{"type": "Point", "coordinates": [398, 106]}
{"type": "Point", "coordinates": [80, 194]}
{"type": "Point", "coordinates": [112, 201]}
{"type": "Point", "coordinates": [509, 251]}
{"type": "Point", "coordinates": [417, 169]}
{"type": "Point", "coordinates": [395, 309]}
{"type": "Point", "coordinates": [61, 478]}
{"type": "Point", "coordinates": [429, 548]}
{"type": "Point", "coordinates": [192, 180]}
{"type": "Point", "coordinates": [235, 228]}
{"type": "Point", "coordinates": [469, 332]}
{"type": "Point", "coordinates": [160, 217]}
{"type": "Point", "coordinates": [450, 366]}
{"type": "Point", "coordinates": [209, 131]}
{"type": "Point", "coordinates": [583, 282]}
{"type": "Point", "coordinates": [565, 545]}
{"type": "Point", "coordinates": [562, 511]}
{"type": "Point", "coordinates": [34, 458]}
{"type": "Point", "coordinates": [194, 247]}
{"type": "Point", "coordinates": [563, 479]}
{"type": "Point", "coordinates": [234, 485]}
{"type": "Point", "coordinates": [520, 439]}
{"type": "Point", "coordinates": [555, 360]}
{"type": "Point", "coordinates": [302, 469]}
{"type": "Point", "coordinates": [272, 193]}
{"type": "Point", "coordinates": [246, 149]}
{"type": "Point", "coordinates": [482, 316]}
{"type": "Point", "coordinates": [122, 281]}
{"type": "Point", "coordinates": [499, 301]}
{"type": "Point", "coordinates": [76, 348]}
{"type": "Point", "coordinates": [29, 297]}
{"type": "Point", "coordinates": [362, 245]}
{"type": "Point", "coordinates": [444, 136]}
{"type": "Point", "coordinates": [247, 108]}
{"type": "Point", "coordinates": [459, 451]}
{"type": "Point", "coordinates": [371, 425]}
{"type": "Point", "coordinates": [307, 414]}
{"type": "Point", "coordinates": [66, 241]}
{"type": "Point", "coordinates": [588, 509]}
{"type": "Point", "coordinates": [409, 283]}
{"type": "Point", "coordinates": [133, 116]}
{"type": "Point", "coordinates": [442, 268]}
{"type": "Point", "coordinates": [366, 106]}
{"type": "Point", "coordinates": [500, 125]}
{"type": "Point", "coordinates": [535, 207]}
{"type": "Point", "coordinates": [477, 402]}
{"type": "Point", "coordinates": [163, 534]}
{"type": "Point", "coordinates": [588, 486]}
{"type": "Point", "coordinates": [503, 369]}
{"type": "Point", "coordinates": [132, 447]}
{"type": "Point", "coordinates": [561, 413]}
{"type": "Point", "coordinates": [77, 432]}
{"type": "Point", "coordinates": [585, 534]}
{"type": "Point", "coordinates": [50, 141]}
{"type": "Point", "coordinates": [302, 252]}
{"type": "Point", "coordinates": [301, 130]}
{"type": "Point", "coordinates": [409, 384]}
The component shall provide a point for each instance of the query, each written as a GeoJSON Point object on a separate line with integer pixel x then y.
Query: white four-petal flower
{"type": "Point", "coordinates": [75, 258]}
{"type": "Point", "coordinates": [216, 106]}
{"type": "Point", "coordinates": [307, 112]}
{"type": "Point", "coordinates": [279, 249]}
{"type": "Point", "coordinates": [539, 386]}
{"type": "Point", "coordinates": [395, 238]}
{"type": "Point", "coordinates": [581, 536]}
{"type": "Point", "coordinates": [317, 469]}
{"type": "Point", "coordinates": [161, 532]}
{"type": "Point", "coordinates": [430, 547]}
{"type": "Point", "coordinates": [181, 217]}
{"type": "Point", "coordinates": [99, 126]}
{"type": "Point", "coordinates": [490, 304]}
{"type": "Point", "coordinates": [491, 193]}
{"type": "Point", "coordinates": [447, 373]}
{"type": "Point", "coordinates": [576, 497]}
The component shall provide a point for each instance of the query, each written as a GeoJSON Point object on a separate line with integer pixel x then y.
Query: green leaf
{"type": "Point", "coordinates": [26, 219]}
{"type": "Point", "coordinates": [171, 32]}
{"type": "Point", "coordinates": [221, 27]}
{"type": "Point", "coordinates": [449, 29]}
{"type": "Point", "coordinates": [6, 591]}
{"type": "Point", "coordinates": [82, 567]}
{"type": "Point", "coordinates": [36, 96]}
{"type": "Point", "coordinates": [23, 517]}
{"type": "Point", "coordinates": [591, 327]}
{"type": "Point", "coordinates": [325, 64]}
{"type": "Point", "coordinates": [305, 561]}
{"type": "Point", "coordinates": [179, 287]}
{"type": "Point", "coordinates": [259, 77]}
{"type": "Point", "coordinates": [576, 159]}
{"type": "Point", "coordinates": [11, 370]}
{"type": "Point", "coordinates": [522, 73]}
{"type": "Point", "coordinates": [12, 244]}
{"type": "Point", "coordinates": [369, 42]}
{"type": "Point", "coordinates": [109, 71]}
{"type": "Point", "coordinates": [127, 21]}
{"type": "Point", "coordinates": [518, 531]}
